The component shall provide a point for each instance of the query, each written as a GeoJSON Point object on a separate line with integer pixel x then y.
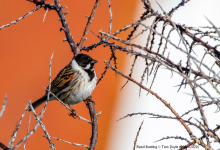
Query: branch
{"type": "Point", "coordinates": [135, 142]}
{"type": "Point", "coordinates": [157, 96]}
{"type": "Point", "coordinates": [173, 137]}
{"type": "Point", "coordinates": [167, 60]}
{"type": "Point", "coordinates": [42, 126]}
{"type": "Point", "coordinates": [110, 12]}
{"type": "Point", "coordinates": [3, 146]}
{"type": "Point", "coordinates": [67, 107]}
{"type": "Point", "coordinates": [94, 137]}
{"type": "Point", "coordinates": [14, 135]}
{"type": "Point", "coordinates": [22, 17]}
{"type": "Point", "coordinates": [65, 27]}
{"type": "Point", "coordinates": [70, 142]}
{"type": "Point", "coordinates": [90, 19]}
{"type": "Point", "coordinates": [192, 36]}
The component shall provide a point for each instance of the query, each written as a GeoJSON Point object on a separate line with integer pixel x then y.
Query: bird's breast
{"type": "Point", "coordinates": [80, 89]}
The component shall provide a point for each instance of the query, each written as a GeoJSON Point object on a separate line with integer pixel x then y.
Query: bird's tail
{"type": "Point", "coordinates": [39, 102]}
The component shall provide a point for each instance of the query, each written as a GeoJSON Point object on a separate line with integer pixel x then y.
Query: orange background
{"type": "Point", "coordinates": [26, 48]}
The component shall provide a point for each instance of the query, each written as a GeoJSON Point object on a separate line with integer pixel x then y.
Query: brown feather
{"type": "Point", "coordinates": [63, 79]}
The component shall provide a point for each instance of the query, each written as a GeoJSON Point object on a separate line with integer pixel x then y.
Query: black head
{"type": "Point", "coordinates": [85, 61]}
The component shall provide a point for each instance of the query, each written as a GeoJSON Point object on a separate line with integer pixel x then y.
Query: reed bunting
{"type": "Point", "coordinates": [74, 83]}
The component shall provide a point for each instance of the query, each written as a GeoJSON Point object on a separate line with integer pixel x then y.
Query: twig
{"type": "Point", "coordinates": [14, 22]}
{"type": "Point", "coordinates": [182, 3]}
{"type": "Point", "coordinates": [148, 38]}
{"type": "Point", "coordinates": [49, 87]}
{"type": "Point", "coordinates": [65, 27]}
{"type": "Point", "coordinates": [133, 114]}
{"type": "Point", "coordinates": [12, 140]}
{"type": "Point", "coordinates": [69, 142]}
{"type": "Point", "coordinates": [99, 113]}
{"type": "Point", "coordinates": [67, 107]}
{"type": "Point", "coordinates": [132, 69]}
{"type": "Point", "coordinates": [157, 96]}
{"type": "Point", "coordinates": [157, 54]}
{"type": "Point", "coordinates": [25, 141]}
{"type": "Point", "coordinates": [110, 12]}
{"type": "Point", "coordinates": [135, 142]}
{"type": "Point", "coordinates": [26, 137]}
{"type": "Point", "coordinates": [195, 109]}
{"type": "Point", "coordinates": [192, 36]}
{"type": "Point", "coordinates": [45, 14]}
{"type": "Point", "coordinates": [216, 29]}
{"type": "Point", "coordinates": [4, 106]}
{"type": "Point", "coordinates": [173, 137]}
{"type": "Point", "coordinates": [90, 19]}
{"type": "Point", "coordinates": [42, 126]}
{"type": "Point", "coordinates": [87, 48]}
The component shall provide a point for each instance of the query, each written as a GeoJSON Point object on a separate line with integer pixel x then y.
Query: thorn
{"type": "Point", "coordinates": [64, 7]}
{"type": "Point", "coordinates": [99, 113]}
{"type": "Point", "coordinates": [66, 13]}
{"type": "Point", "coordinates": [58, 19]}
{"type": "Point", "coordinates": [62, 28]}
{"type": "Point", "coordinates": [87, 16]}
{"type": "Point", "coordinates": [45, 14]}
{"type": "Point", "coordinates": [64, 39]}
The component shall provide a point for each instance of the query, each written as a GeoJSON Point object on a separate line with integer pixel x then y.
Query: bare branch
{"type": "Point", "coordinates": [3, 146]}
{"type": "Point", "coordinates": [70, 142]}
{"type": "Point", "coordinates": [42, 126]}
{"type": "Point", "coordinates": [216, 29]}
{"type": "Point", "coordinates": [90, 19]}
{"type": "Point", "coordinates": [25, 141]}
{"type": "Point", "coordinates": [66, 27]}
{"type": "Point", "coordinates": [157, 96]}
{"type": "Point", "coordinates": [94, 137]}
{"type": "Point", "coordinates": [12, 140]}
{"type": "Point", "coordinates": [110, 12]}
{"type": "Point", "coordinates": [14, 22]}
{"type": "Point", "coordinates": [67, 107]}
{"type": "Point", "coordinates": [173, 137]}
{"type": "Point", "coordinates": [4, 106]}
{"type": "Point", "coordinates": [135, 142]}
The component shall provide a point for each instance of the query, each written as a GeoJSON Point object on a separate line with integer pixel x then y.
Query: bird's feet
{"type": "Point", "coordinates": [73, 114]}
{"type": "Point", "coordinates": [89, 99]}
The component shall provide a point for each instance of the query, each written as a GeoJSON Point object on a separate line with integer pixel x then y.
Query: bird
{"type": "Point", "coordinates": [74, 83]}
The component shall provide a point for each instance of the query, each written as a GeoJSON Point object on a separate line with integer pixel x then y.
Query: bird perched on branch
{"type": "Point", "coordinates": [74, 83]}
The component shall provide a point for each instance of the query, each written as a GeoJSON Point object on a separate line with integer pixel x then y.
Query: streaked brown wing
{"type": "Point", "coordinates": [63, 79]}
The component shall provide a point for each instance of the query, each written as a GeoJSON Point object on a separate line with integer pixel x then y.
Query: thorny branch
{"type": "Point", "coordinates": [135, 142]}
{"type": "Point", "coordinates": [156, 95]}
{"type": "Point", "coordinates": [90, 19]}
{"type": "Point", "coordinates": [65, 27]}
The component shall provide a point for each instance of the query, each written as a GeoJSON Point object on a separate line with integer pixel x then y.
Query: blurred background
{"type": "Point", "coordinates": [27, 46]}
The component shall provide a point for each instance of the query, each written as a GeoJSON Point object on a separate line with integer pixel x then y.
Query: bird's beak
{"type": "Point", "coordinates": [94, 61]}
